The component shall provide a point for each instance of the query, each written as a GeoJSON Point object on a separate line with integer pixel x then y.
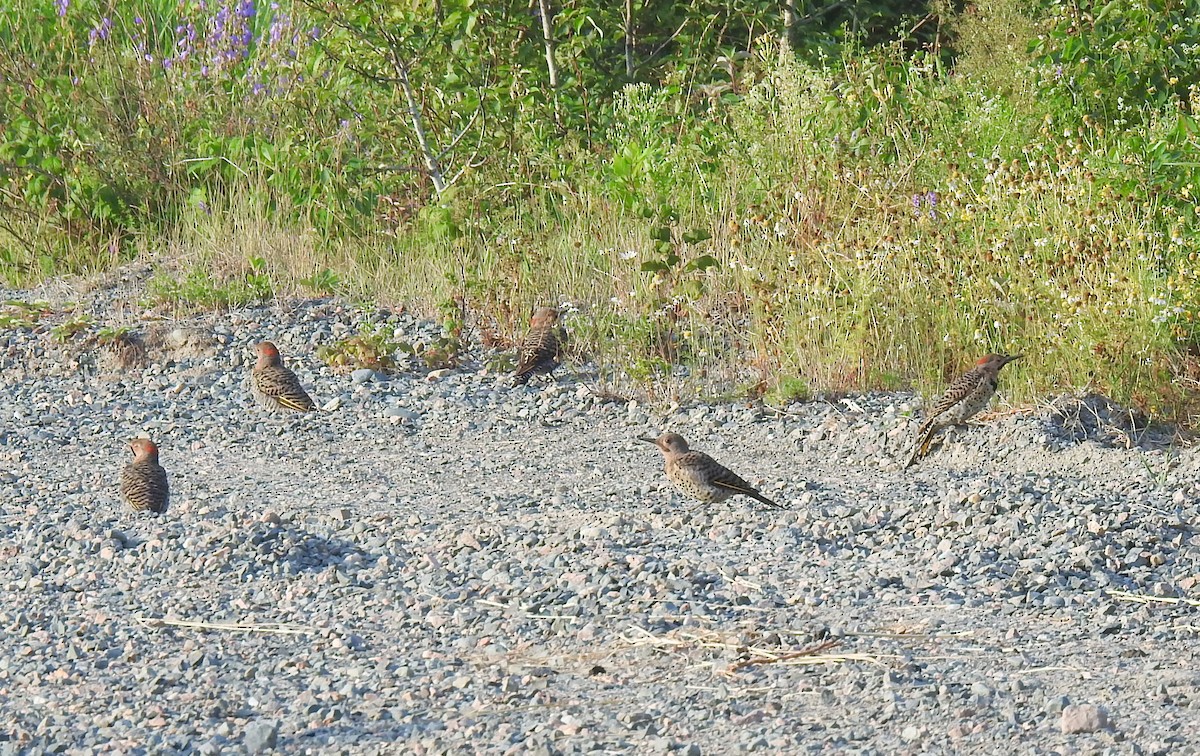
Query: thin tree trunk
{"type": "Point", "coordinates": [789, 21]}
{"type": "Point", "coordinates": [629, 39]}
{"type": "Point", "coordinates": [548, 36]}
{"type": "Point", "coordinates": [414, 112]}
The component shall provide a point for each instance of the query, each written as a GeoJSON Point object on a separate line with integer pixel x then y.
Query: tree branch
{"type": "Point", "coordinates": [548, 36]}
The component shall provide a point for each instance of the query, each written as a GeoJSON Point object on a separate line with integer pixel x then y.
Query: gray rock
{"type": "Point", "coordinates": [1081, 718]}
{"type": "Point", "coordinates": [260, 735]}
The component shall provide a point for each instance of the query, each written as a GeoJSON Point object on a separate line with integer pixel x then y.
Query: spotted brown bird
{"type": "Point", "coordinates": [143, 481]}
{"type": "Point", "coordinates": [700, 476]}
{"type": "Point", "coordinates": [274, 386]}
{"type": "Point", "coordinates": [541, 349]}
{"type": "Point", "coordinates": [965, 398]}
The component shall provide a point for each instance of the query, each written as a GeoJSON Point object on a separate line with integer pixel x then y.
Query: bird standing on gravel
{"type": "Point", "coordinates": [143, 481]}
{"type": "Point", "coordinates": [274, 386]}
{"type": "Point", "coordinates": [962, 401]}
{"type": "Point", "coordinates": [542, 347]}
{"type": "Point", "coordinates": [700, 476]}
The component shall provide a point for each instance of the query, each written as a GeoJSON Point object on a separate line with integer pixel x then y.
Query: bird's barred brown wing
{"type": "Point", "coordinates": [966, 385]}
{"type": "Point", "coordinates": [722, 477]}
{"type": "Point", "coordinates": [539, 352]}
{"type": "Point", "coordinates": [281, 385]}
{"type": "Point", "coordinates": [144, 487]}
{"type": "Point", "coordinates": [959, 389]}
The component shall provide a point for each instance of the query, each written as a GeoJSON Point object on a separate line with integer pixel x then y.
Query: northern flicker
{"type": "Point", "coordinates": [700, 476]}
{"type": "Point", "coordinates": [969, 394]}
{"type": "Point", "coordinates": [274, 386]}
{"type": "Point", "coordinates": [143, 481]}
{"type": "Point", "coordinates": [542, 347]}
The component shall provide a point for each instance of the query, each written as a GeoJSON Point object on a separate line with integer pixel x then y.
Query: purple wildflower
{"type": "Point", "coordinates": [916, 201]}
{"type": "Point", "coordinates": [931, 199]}
{"type": "Point", "coordinates": [100, 32]}
{"type": "Point", "coordinates": [61, 6]}
{"type": "Point", "coordinates": [186, 35]}
{"type": "Point", "coordinates": [279, 23]}
{"type": "Point", "coordinates": [137, 20]}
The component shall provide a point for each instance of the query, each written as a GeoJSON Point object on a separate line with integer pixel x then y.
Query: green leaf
{"type": "Point", "coordinates": [703, 262]}
{"type": "Point", "coordinates": [693, 289]}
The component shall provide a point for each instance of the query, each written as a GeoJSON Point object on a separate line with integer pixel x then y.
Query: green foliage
{"type": "Point", "coordinates": [372, 347]}
{"type": "Point", "coordinates": [111, 335]}
{"type": "Point", "coordinates": [1119, 61]}
{"type": "Point", "coordinates": [1124, 73]}
{"type": "Point", "coordinates": [18, 314]}
{"type": "Point", "coordinates": [992, 41]}
{"type": "Point", "coordinates": [724, 211]}
{"type": "Point", "coordinates": [323, 281]}
{"type": "Point", "coordinates": [71, 327]}
{"type": "Point", "coordinates": [446, 350]}
{"type": "Point", "coordinates": [201, 288]}
{"type": "Point", "coordinates": [375, 347]}
{"type": "Point", "coordinates": [789, 390]}
{"type": "Point", "coordinates": [121, 116]}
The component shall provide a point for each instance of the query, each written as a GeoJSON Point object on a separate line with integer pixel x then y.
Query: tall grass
{"type": "Point", "coordinates": [947, 224]}
{"type": "Point", "coordinates": [874, 222]}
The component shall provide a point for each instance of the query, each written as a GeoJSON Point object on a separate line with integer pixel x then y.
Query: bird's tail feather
{"type": "Point", "coordinates": [920, 446]}
{"type": "Point", "coordinates": [765, 500]}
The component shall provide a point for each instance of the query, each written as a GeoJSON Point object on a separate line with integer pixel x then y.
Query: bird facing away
{"type": "Point", "coordinates": [143, 481]}
{"type": "Point", "coordinates": [700, 476]}
{"type": "Point", "coordinates": [542, 347]}
{"type": "Point", "coordinates": [966, 396]}
{"type": "Point", "coordinates": [274, 386]}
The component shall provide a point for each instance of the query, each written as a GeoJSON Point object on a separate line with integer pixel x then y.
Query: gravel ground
{"type": "Point", "coordinates": [439, 563]}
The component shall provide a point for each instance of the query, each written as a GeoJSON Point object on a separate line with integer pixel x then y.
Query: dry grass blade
{"type": "Point", "coordinates": [234, 627]}
{"type": "Point", "coordinates": [1141, 599]}
{"type": "Point", "coordinates": [682, 641]}
{"type": "Point", "coordinates": [1019, 411]}
{"type": "Point", "coordinates": [810, 653]}
{"type": "Point", "coordinates": [521, 612]}
{"type": "Point", "coordinates": [913, 635]}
